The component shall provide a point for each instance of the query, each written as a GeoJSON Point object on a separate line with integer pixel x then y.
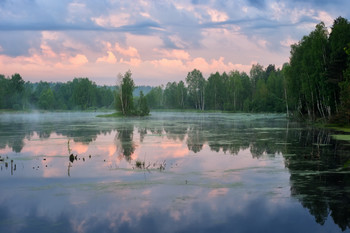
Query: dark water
{"type": "Point", "coordinates": [171, 172]}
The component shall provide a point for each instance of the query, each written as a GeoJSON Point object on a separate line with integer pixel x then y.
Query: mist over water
{"type": "Point", "coordinates": [170, 172]}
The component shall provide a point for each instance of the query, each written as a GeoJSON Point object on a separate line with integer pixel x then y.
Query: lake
{"type": "Point", "coordinates": [171, 172]}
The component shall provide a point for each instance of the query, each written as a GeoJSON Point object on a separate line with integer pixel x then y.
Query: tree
{"type": "Point", "coordinates": [46, 99]}
{"type": "Point", "coordinates": [170, 95]}
{"type": "Point", "coordinates": [215, 91]}
{"type": "Point", "coordinates": [83, 93]}
{"type": "Point", "coordinates": [196, 85]}
{"type": "Point", "coordinates": [124, 96]}
{"type": "Point", "coordinates": [143, 109]}
{"type": "Point", "coordinates": [155, 97]}
{"type": "Point", "coordinates": [307, 80]}
{"type": "Point", "coordinates": [3, 92]}
{"type": "Point", "coordinates": [181, 94]}
{"type": "Point", "coordinates": [256, 73]}
{"type": "Point", "coordinates": [15, 92]}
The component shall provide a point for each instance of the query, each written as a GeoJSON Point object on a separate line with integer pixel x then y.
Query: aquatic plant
{"type": "Point", "coordinates": [140, 164]}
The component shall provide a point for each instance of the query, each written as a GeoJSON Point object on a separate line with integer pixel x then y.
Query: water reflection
{"type": "Point", "coordinates": [124, 140]}
{"type": "Point", "coordinates": [265, 155]}
{"type": "Point", "coordinates": [318, 178]}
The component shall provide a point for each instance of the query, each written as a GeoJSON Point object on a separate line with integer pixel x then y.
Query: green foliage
{"type": "Point", "coordinates": [196, 89]}
{"type": "Point", "coordinates": [155, 98]}
{"type": "Point", "coordinates": [315, 83]}
{"type": "Point", "coordinates": [46, 99]}
{"type": "Point", "coordinates": [81, 93]}
{"type": "Point", "coordinates": [124, 95]}
{"type": "Point", "coordinates": [142, 107]}
{"type": "Point", "coordinates": [316, 76]}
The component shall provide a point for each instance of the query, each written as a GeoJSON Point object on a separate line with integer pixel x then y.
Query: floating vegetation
{"type": "Point", "coordinates": [343, 137]}
{"type": "Point", "coordinates": [341, 129]}
{"type": "Point", "coordinates": [347, 164]}
{"type": "Point", "coordinates": [269, 129]}
{"type": "Point", "coordinates": [320, 144]}
{"type": "Point", "coordinates": [13, 165]}
{"type": "Point", "coordinates": [142, 165]}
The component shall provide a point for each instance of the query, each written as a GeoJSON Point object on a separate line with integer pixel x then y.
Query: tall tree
{"type": "Point", "coordinates": [181, 94]}
{"type": "Point", "coordinates": [124, 96]}
{"type": "Point", "coordinates": [256, 73]}
{"type": "Point", "coordinates": [15, 92]}
{"type": "Point", "coordinates": [143, 109]}
{"type": "Point", "coordinates": [196, 88]}
{"type": "Point", "coordinates": [155, 97]}
{"type": "Point", "coordinates": [307, 74]}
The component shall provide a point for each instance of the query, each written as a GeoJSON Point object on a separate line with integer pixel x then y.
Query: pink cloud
{"type": "Point", "coordinates": [79, 148]}
{"type": "Point", "coordinates": [168, 63]}
{"type": "Point", "coordinates": [131, 62]}
{"type": "Point", "coordinates": [78, 60]}
{"type": "Point", "coordinates": [110, 58]}
{"type": "Point", "coordinates": [129, 52]}
{"type": "Point", "coordinates": [218, 192]}
{"type": "Point", "coordinates": [174, 53]}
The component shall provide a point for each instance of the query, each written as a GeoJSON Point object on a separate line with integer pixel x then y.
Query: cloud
{"type": "Point", "coordinates": [260, 4]}
{"type": "Point", "coordinates": [115, 20]}
{"type": "Point", "coordinates": [288, 42]}
{"type": "Point", "coordinates": [78, 60]}
{"type": "Point", "coordinates": [157, 39]}
{"type": "Point", "coordinates": [129, 52]}
{"type": "Point", "coordinates": [19, 43]}
{"type": "Point", "coordinates": [173, 53]}
{"type": "Point", "coordinates": [110, 58]}
{"type": "Point", "coordinates": [217, 16]}
{"type": "Point", "coordinates": [134, 62]}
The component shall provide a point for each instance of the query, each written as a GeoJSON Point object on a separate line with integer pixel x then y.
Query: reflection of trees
{"type": "Point", "coordinates": [12, 138]}
{"type": "Point", "coordinates": [318, 177]}
{"type": "Point", "coordinates": [84, 134]}
{"type": "Point", "coordinates": [176, 131]}
{"type": "Point", "coordinates": [124, 140]}
{"type": "Point", "coordinates": [226, 136]}
{"type": "Point", "coordinates": [195, 138]}
{"type": "Point", "coordinates": [13, 133]}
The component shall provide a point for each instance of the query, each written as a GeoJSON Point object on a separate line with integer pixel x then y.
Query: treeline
{"type": "Point", "coordinates": [318, 75]}
{"type": "Point", "coordinates": [315, 84]}
{"type": "Point", "coordinates": [79, 94]}
{"type": "Point", "coordinates": [262, 91]}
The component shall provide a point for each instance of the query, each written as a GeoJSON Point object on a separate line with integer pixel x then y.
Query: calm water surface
{"type": "Point", "coordinates": [171, 172]}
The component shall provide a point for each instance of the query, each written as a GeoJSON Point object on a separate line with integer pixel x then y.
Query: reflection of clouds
{"type": "Point", "coordinates": [53, 146]}
{"type": "Point", "coordinates": [6, 150]}
{"type": "Point", "coordinates": [114, 211]}
{"type": "Point", "coordinates": [218, 192]}
{"type": "Point", "coordinates": [79, 147]}
{"type": "Point", "coordinates": [49, 170]}
{"type": "Point", "coordinates": [178, 149]}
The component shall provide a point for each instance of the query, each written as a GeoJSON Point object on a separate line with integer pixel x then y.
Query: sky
{"type": "Point", "coordinates": [160, 41]}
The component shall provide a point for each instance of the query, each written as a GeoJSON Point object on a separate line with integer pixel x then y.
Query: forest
{"type": "Point", "coordinates": [314, 84]}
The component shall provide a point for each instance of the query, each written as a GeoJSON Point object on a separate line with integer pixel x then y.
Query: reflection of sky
{"type": "Point", "coordinates": [206, 191]}
{"type": "Point", "coordinates": [97, 206]}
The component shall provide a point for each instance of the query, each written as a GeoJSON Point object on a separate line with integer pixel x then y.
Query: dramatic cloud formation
{"type": "Point", "coordinates": [159, 41]}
